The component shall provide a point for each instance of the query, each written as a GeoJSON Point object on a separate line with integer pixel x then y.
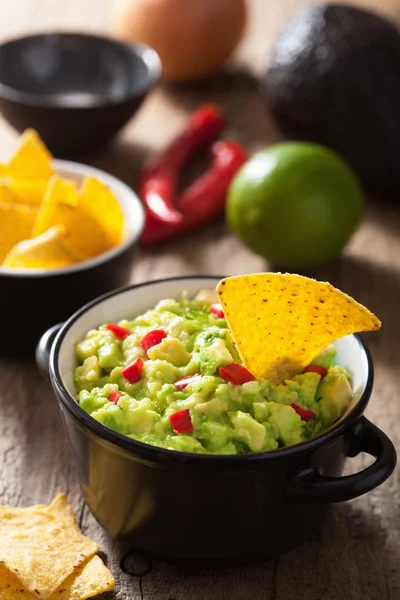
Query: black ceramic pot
{"type": "Point", "coordinates": [209, 509]}
{"type": "Point", "coordinates": [77, 90]}
{"type": "Point", "coordinates": [31, 300]}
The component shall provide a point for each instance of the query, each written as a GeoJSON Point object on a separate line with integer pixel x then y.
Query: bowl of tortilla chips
{"type": "Point", "coordinates": [68, 232]}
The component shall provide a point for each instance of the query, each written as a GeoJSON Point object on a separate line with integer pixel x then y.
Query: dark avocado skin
{"type": "Point", "coordinates": [334, 78]}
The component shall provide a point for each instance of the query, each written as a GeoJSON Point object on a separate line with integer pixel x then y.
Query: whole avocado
{"type": "Point", "coordinates": [334, 78]}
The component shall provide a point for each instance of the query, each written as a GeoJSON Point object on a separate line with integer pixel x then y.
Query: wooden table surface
{"type": "Point", "coordinates": [357, 555]}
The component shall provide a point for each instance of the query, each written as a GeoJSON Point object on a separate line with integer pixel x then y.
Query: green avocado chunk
{"type": "Point", "coordinates": [287, 423]}
{"type": "Point", "coordinates": [248, 430]}
{"type": "Point", "coordinates": [336, 393]}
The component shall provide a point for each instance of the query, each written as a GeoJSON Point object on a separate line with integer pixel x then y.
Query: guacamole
{"type": "Point", "coordinates": [173, 378]}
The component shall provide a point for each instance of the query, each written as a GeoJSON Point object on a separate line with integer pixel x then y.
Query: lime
{"type": "Point", "coordinates": [296, 204]}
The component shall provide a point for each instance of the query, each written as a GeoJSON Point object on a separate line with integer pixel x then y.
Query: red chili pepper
{"type": "Point", "coordinates": [235, 374]}
{"type": "Point", "coordinates": [182, 383]}
{"type": "Point", "coordinates": [114, 397]}
{"type": "Point", "coordinates": [120, 332]}
{"type": "Point", "coordinates": [207, 193]}
{"type": "Point", "coordinates": [316, 369]}
{"type": "Point", "coordinates": [152, 339]}
{"type": "Point", "coordinates": [216, 309]}
{"type": "Point", "coordinates": [304, 414]}
{"type": "Point", "coordinates": [181, 421]}
{"type": "Point", "coordinates": [158, 193]}
{"type": "Point", "coordinates": [205, 198]}
{"type": "Point", "coordinates": [133, 371]}
{"type": "Point", "coordinates": [204, 125]}
{"type": "Point", "coordinates": [159, 177]}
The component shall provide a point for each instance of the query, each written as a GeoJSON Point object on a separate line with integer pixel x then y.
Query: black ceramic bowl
{"type": "Point", "coordinates": [76, 90]}
{"type": "Point", "coordinates": [31, 300]}
{"type": "Point", "coordinates": [206, 508]}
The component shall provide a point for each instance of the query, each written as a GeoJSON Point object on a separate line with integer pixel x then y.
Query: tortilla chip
{"type": "Point", "coordinates": [45, 251]}
{"type": "Point", "coordinates": [98, 201]}
{"type": "Point", "coordinates": [41, 550]}
{"type": "Point", "coordinates": [31, 192]}
{"type": "Point", "coordinates": [88, 580]}
{"type": "Point", "coordinates": [31, 160]}
{"type": "Point", "coordinates": [8, 196]}
{"type": "Point", "coordinates": [58, 192]}
{"type": "Point", "coordinates": [84, 238]}
{"type": "Point", "coordinates": [28, 191]}
{"type": "Point", "coordinates": [16, 223]}
{"type": "Point", "coordinates": [281, 322]}
{"type": "Point", "coordinates": [61, 508]}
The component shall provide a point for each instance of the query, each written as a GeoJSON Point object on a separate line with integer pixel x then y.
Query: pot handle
{"type": "Point", "coordinates": [43, 348]}
{"type": "Point", "coordinates": [309, 486]}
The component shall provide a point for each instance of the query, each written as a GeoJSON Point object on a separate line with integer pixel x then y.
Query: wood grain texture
{"type": "Point", "coordinates": [357, 553]}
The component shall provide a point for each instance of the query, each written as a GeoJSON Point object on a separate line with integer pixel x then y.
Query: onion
{"type": "Point", "coordinates": [194, 38]}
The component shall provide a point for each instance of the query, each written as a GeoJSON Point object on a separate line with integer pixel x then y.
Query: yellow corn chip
{"type": "Point", "coordinates": [84, 237]}
{"type": "Point", "coordinates": [31, 160]}
{"type": "Point", "coordinates": [16, 223]}
{"type": "Point", "coordinates": [98, 201]}
{"type": "Point", "coordinates": [29, 191]}
{"type": "Point", "coordinates": [61, 508]}
{"type": "Point", "coordinates": [281, 322]}
{"type": "Point", "coordinates": [70, 194]}
{"type": "Point", "coordinates": [88, 580]}
{"type": "Point", "coordinates": [56, 192]}
{"type": "Point", "coordinates": [41, 550]}
{"type": "Point", "coordinates": [8, 196]}
{"type": "Point", "coordinates": [45, 251]}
